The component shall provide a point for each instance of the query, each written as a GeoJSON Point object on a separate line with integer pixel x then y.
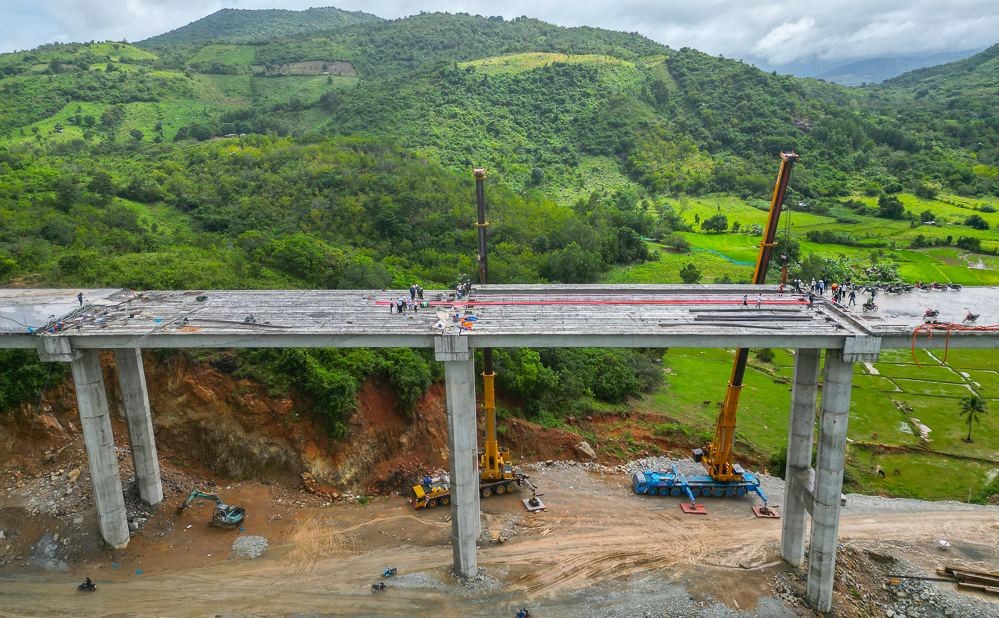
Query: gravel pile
{"type": "Point", "coordinates": [925, 599]}
{"type": "Point", "coordinates": [248, 546]}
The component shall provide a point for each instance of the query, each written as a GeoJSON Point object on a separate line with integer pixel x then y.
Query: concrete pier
{"type": "Point", "coordinates": [801, 432]}
{"type": "Point", "coordinates": [135, 400]}
{"type": "Point", "coordinates": [96, 421]}
{"type": "Point", "coordinates": [459, 376]}
{"type": "Point", "coordinates": [837, 381]}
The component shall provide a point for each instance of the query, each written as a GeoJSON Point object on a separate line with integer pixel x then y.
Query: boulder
{"type": "Point", "coordinates": [309, 483]}
{"type": "Point", "coordinates": [73, 475]}
{"type": "Point", "coordinates": [51, 427]}
{"type": "Point", "coordinates": [585, 450]}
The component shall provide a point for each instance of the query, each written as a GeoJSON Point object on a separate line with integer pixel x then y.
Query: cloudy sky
{"type": "Point", "coordinates": [773, 34]}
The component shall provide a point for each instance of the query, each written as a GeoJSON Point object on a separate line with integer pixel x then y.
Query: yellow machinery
{"type": "Point", "coordinates": [496, 472]}
{"type": "Point", "coordinates": [717, 460]}
{"type": "Point", "coordinates": [497, 475]}
{"type": "Point", "coordinates": [431, 492]}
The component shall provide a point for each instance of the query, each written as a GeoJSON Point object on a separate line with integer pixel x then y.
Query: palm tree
{"type": "Point", "coordinates": [974, 406]}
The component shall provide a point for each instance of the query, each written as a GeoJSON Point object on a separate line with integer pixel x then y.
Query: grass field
{"type": "Point", "coordinates": [525, 62]}
{"type": "Point", "coordinates": [718, 255]}
{"type": "Point", "coordinates": [891, 403]}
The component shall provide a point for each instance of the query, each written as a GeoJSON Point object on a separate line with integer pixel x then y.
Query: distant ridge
{"type": "Point", "coordinates": [238, 25]}
{"type": "Point", "coordinates": [874, 70]}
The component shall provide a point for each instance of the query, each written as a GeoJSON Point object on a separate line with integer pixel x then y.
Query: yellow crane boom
{"type": "Point", "coordinates": [718, 461]}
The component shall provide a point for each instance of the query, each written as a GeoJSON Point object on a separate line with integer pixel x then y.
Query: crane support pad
{"type": "Point", "coordinates": [693, 509]}
{"type": "Point", "coordinates": [534, 509]}
{"type": "Point", "coordinates": [766, 512]}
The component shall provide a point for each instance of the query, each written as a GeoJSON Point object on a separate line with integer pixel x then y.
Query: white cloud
{"type": "Point", "coordinates": [782, 43]}
{"type": "Point", "coordinates": [772, 33]}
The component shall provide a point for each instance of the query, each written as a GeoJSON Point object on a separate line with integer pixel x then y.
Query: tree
{"type": "Point", "coordinates": [573, 264]}
{"type": "Point", "coordinates": [630, 246]}
{"type": "Point", "coordinates": [974, 407]}
{"type": "Point", "coordinates": [890, 207]}
{"type": "Point", "coordinates": [102, 184]}
{"type": "Point", "coordinates": [977, 222]}
{"type": "Point", "coordinates": [927, 190]}
{"type": "Point", "coordinates": [927, 215]}
{"type": "Point", "coordinates": [136, 134]}
{"type": "Point", "coordinates": [717, 223]}
{"type": "Point", "coordinates": [690, 274]}
{"type": "Point", "coordinates": [199, 131]}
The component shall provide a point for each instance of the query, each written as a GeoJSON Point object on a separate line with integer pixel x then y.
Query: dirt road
{"type": "Point", "coordinates": [599, 550]}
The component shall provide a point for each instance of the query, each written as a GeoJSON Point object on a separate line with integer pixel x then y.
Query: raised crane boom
{"type": "Point", "coordinates": [718, 459]}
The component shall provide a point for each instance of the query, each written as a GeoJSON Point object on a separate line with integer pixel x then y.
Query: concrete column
{"type": "Point", "coordinates": [459, 377]}
{"type": "Point", "coordinates": [836, 384]}
{"type": "Point", "coordinates": [135, 400]}
{"type": "Point", "coordinates": [96, 421]}
{"type": "Point", "coordinates": [801, 432]}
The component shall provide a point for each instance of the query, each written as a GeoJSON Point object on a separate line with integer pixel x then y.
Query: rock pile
{"type": "Point", "coordinates": [248, 546]}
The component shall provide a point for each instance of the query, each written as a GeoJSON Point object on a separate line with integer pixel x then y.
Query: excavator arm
{"type": "Point", "coordinates": [197, 494]}
{"type": "Point", "coordinates": [718, 460]}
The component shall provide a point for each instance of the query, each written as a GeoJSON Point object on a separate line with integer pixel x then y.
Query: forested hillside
{"type": "Point", "coordinates": [324, 149]}
{"type": "Point", "coordinates": [235, 25]}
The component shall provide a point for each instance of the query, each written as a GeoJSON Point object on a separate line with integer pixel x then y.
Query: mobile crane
{"type": "Point", "coordinates": [497, 474]}
{"type": "Point", "coordinates": [725, 477]}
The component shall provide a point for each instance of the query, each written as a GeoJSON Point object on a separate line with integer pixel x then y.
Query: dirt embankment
{"type": "Point", "coordinates": [239, 432]}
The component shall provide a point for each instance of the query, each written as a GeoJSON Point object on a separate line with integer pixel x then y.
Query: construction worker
{"type": "Point", "coordinates": [853, 298]}
{"type": "Point", "coordinates": [811, 299]}
{"type": "Point", "coordinates": [745, 300]}
{"type": "Point", "coordinates": [759, 300]}
{"type": "Point", "coordinates": [412, 292]}
{"type": "Point", "coordinates": [79, 297]}
{"type": "Point", "coordinates": [419, 291]}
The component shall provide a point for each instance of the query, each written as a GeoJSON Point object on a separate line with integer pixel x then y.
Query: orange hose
{"type": "Point", "coordinates": [929, 328]}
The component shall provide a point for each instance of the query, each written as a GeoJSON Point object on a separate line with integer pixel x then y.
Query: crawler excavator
{"type": "Point", "coordinates": [224, 515]}
{"type": "Point", "coordinates": [497, 474]}
{"type": "Point", "coordinates": [725, 477]}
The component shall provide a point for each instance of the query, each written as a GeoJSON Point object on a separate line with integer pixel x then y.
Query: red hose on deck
{"type": "Point", "coordinates": [929, 328]}
{"type": "Point", "coordinates": [604, 302]}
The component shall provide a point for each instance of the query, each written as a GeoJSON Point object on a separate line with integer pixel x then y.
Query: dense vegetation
{"type": "Point", "coordinates": [245, 25]}
{"type": "Point", "coordinates": [346, 164]}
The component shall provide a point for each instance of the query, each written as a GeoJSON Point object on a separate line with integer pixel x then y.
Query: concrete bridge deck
{"type": "Point", "coordinates": [54, 323]}
{"type": "Point", "coordinates": [504, 316]}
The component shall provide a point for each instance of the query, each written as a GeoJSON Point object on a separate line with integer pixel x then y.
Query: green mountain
{"type": "Point", "coordinates": [339, 158]}
{"type": "Point", "coordinates": [156, 156]}
{"type": "Point", "coordinates": [238, 25]}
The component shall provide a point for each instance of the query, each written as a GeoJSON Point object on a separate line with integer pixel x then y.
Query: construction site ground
{"type": "Point", "coordinates": [599, 550]}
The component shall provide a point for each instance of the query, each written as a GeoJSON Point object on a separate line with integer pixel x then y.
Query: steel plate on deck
{"type": "Point", "coordinates": [767, 512]}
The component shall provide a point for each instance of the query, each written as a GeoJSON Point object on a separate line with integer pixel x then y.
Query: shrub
{"type": "Point", "coordinates": [690, 274]}
{"type": "Point", "coordinates": [717, 223]}
{"type": "Point", "coordinates": [766, 355]}
{"type": "Point", "coordinates": [977, 222]}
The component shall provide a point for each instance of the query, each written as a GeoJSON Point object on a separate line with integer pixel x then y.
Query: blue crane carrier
{"type": "Point", "coordinates": [664, 483]}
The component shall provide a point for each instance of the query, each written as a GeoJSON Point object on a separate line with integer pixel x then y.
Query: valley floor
{"type": "Point", "coordinates": [599, 550]}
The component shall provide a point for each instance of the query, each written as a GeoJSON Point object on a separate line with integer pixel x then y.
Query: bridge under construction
{"type": "Point", "coordinates": [63, 328]}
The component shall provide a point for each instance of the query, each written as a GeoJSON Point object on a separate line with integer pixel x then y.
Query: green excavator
{"type": "Point", "coordinates": [224, 515]}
